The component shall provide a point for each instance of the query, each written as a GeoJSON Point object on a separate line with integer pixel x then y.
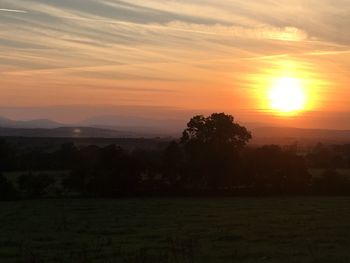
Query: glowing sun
{"type": "Point", "coordinates": [287, 95]}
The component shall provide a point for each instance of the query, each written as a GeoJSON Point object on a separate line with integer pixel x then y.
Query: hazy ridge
{"type": "Point", "coordinates": [123, 127]}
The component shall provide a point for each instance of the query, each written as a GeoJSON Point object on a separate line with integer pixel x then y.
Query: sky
{"type": "Point", "coordinates": [73, 59]}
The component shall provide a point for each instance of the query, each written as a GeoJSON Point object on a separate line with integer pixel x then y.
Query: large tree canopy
{"type": "Point", "coordinates": [211, 146]}
{"type": "Point", "coordinates": [218, 128]}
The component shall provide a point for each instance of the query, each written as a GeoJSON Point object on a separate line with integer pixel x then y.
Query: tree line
{"type": "Point", "coordinates": [210, 158]}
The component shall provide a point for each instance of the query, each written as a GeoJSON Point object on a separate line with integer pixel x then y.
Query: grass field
{"type": "Point", "coordinates": [299, 229]}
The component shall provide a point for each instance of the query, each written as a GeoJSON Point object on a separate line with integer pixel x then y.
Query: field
{"type": "Point", "coordinates": [299, 229]}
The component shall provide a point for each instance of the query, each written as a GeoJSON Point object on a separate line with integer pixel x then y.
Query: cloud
{"type": "Point", "coordinates": [12, 10]}
{"type": "Point", "coordinates": [261, 32]}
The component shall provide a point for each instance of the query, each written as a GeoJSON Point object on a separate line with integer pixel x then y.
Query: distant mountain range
{"type": "Point", "coordinates": [124, 125]}
{"type": "Point", "coordinates": [48, 128]}
{"type": "Point", "coordinates": [67, 132]}
{"type": "Point", "coordinates": [134, 127]}
{"type": "Point", "coordinates": [41, 123]}
{"type": "Point", "coordinates": [158, 127]}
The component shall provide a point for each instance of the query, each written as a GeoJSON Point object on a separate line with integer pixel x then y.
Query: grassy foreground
{"type": "Point", "coordinates": [300, 229]}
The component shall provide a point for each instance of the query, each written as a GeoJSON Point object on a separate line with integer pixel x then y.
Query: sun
{"type": "Point", "coordinates": [287, 95]}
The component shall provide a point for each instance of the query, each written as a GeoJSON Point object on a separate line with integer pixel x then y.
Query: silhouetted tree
{"type": "Point", "coordinates": [83, 170]}
{"type": "Point", "coordinates": [173, 166]}
{"type": "Point", "coordinates": [151, 179]}
{"type": "Point", "coordinates": [115, 172]}
{"type": "Point", "coordinates": [218, 129]}
{"type": "Point", "coordinates": [34, 186]}
{"type": "Point", "coordinates": [67, 156]}
{"type": "Point", "coordinates": [331, 182]}
{"type": "Point", "coordinates": [109, 171]}
{"type": "Point", "coordinates": [269, 169]}
{"type": "Point", "coordinates": [6, 156]}
{"type": "Point", "coordinates": [7, 190]}
{"type": "Point", "coordinates": [211, 145]}
{"type": "Point", "coordinates": [320, 156]}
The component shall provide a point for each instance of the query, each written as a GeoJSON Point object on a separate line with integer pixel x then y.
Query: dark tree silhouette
{"type": "Point", "coordinates": [67, 155]}
{"type": "Point", "coordinates": [320, 156]}
{"type": "Point", "coordinates": [7, 190]}
{"type": "Point", "coordinates": [269, 169]}
{"type": "Point", "coordinates": [34, 186]}
{"type": "Point", "coordinates": [331, 182]}
{"type": "Point", "coordinates": [219, 129]}
{"type": "Point", "coordinates": [173, 165]}
{"type": "Point", "coordinates": [107, 171]}
{"type": "Point", "coordinates": [6, 156]}
{"type": "Point", "coordinates": [211, 146]}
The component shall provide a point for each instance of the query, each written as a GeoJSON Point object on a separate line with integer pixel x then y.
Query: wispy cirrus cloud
{"type": "Point", "coordinates": [12, 10]}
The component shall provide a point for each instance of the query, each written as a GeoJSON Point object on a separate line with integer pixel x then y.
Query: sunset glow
{"type": "Point", "coordinates": [287, 96]}
{"type": "Point", "coordinates": [178, 57]}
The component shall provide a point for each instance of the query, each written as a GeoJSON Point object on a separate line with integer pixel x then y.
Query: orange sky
{"type": "Point", "coordinates": [194, 56]}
